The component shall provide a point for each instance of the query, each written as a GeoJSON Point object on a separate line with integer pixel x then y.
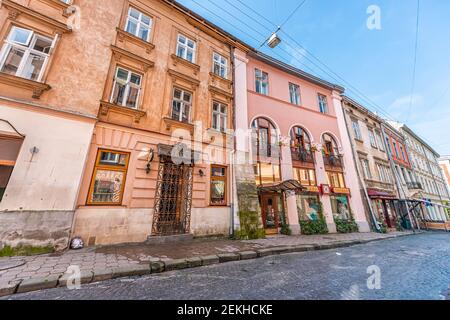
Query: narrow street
{"type": "Point", "coordinates": [414, 267]}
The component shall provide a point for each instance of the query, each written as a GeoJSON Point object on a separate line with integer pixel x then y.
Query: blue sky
{"type": "Point", "coordinates": [377, 62]}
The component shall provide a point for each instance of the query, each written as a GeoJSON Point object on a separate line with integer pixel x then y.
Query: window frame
{"type": "Point", "coordinates": [259, 81]}
{"type": "Point", "coordinates": [220, 64]}
{"type": "Point", "coordinates": [296, 92]}
{"type": "Point", "coordinates": [220, 115]}
{"type": "Point", "coordinates": [183, 104]}
{"type": "Point", "coordinates": [128, 86]}
{"type": "Point", "coordinates": [323, 104]}
{"type": "Point", "coordinates": [27, 48]}
{"type": "Point", "coordinates": [357, 129]}
{"type": "Point", "coordinates": [98, 166]}
{"type": "Point", "coordinates": [225, 180]}
{"type": "Point", "coordinates": [312, 181]}
{"type": "Point", "coordinates": [372, 139]}
{"type": "Point", "coordinates": [139, 23]}
{"type": "Point", "coordinates": [187, 48]}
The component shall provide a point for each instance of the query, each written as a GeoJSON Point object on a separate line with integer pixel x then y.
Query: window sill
{"type": "Point", "coordinates": [122, 35]}
{"type": "Point", "coordinates": [359, 140]}
{"type": "Point", "coordinates": [171, 123]}
{"type": "Point", "coordinates": [176, 59]}
{"type": "Point", "coordinates": [58, 4]}
{"type": "Point", "coordinates": [107, 107]}
{"type": "Point", "coordinates": [38, 88]}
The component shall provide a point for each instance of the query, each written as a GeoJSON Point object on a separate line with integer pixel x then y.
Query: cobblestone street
{"type": "Point", "coordinates": [414, 267]}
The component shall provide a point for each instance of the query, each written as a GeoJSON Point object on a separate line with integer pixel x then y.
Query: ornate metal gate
{"type": "Point", "coordinates": [173, 200]}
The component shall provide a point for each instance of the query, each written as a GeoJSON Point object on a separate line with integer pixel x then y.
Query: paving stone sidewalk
{"type": "Point", "coordinates": [22, 274]}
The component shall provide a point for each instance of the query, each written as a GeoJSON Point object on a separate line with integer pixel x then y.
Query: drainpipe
{"type": "Point", "coordinates": [233, 152]}
{"type": "Point", "coordinates": [399, 185]}
{"type": "Point", "coordinates": [358, 171]}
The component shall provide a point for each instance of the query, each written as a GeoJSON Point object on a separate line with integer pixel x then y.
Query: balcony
{"type": "Point", "coordinates": [302, 155]}
{"type": "Point", "coordinates": [414, 185]}
{"type": "Point", "coordinates": [333, 160]}
{"type": "Point", "coordinates": [266, 150]}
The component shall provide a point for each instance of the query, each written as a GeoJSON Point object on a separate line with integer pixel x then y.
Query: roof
{"type": "Point", "coordinates": [295, 71]}
{"type": "Point", "coordinates": [362, 108]}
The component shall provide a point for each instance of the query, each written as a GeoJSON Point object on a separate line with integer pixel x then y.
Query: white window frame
{"type": "Point", "coordinates": [372, 138]}
{"type": "Point", "coordinates": [261, 82]}
{"type": "Point", "coordinates": [223, 67]}
{"type": "Point", "coordinates": [27, 49]}
{"type": "Point", "coordinates": [183, 104]}
{"type": "Point", "coordinates": [128, 84]}
{"type": "Point", "coordinates": [186, 48]}
{"type": "Point", "coordinates": [356, 129]}
{"type": "Point", "coordinates": [366, 168]}
{"type": "Point", "coordinates": [295, 94]}
{"type": "Point", "coordinates": [220, 115]}
{"type": "Point", "coordinates": [323, 103]}
{"type": "Point", "coordinates": [379, 141]}
{"type": "Point", "coordinates": [139, 23]}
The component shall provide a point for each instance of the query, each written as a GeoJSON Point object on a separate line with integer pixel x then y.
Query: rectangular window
{"type": "Point", "coordinates": [126, 88]}
{"type": "Point", "coordinates": [380, 141]}
{"type": "Point", "coordinates": [267, 173]}
{"type": "Point", "coordinates": [262, 82]}
{"type": "Point", "coordinates": [307, 177]}
{"type": "Point", "coordinates": [108, 180]}
{"type": "Point", "coordinates": [138, 24]}
{"type": "Point", "coordinates": [395, 149]}
{"type": "Point", "coordinates": [218, 186]}
{"type": "Point", "coordinates": [356, 129]}
{"type": "Point", "coordinates": [336, 179]}
{"type": "Point", "coordinates": [323, 103]}
{"type": "Point", "coordinates": [366, 168]}
{"type": "Point", "coordinates": [308, 207]}
{"type": "Point", "coordinates": [219, 117]}
{"type": "Point", "coordinates": [9, 151]}
{"type": "Point", "coordinates": [25, 54]}
{"type": "Point", "coordinates": [373, 142]}
{"type": "Point", "coordinates": [294, 94]}
{"type": "Point", "coordinates": [340, 207]}
{"type": "Point", "coordinates": [220, 65]}
{"type": "Point", "coordinates": [181, 105]}
{"type": "Point", "coordinates": [186, 48]}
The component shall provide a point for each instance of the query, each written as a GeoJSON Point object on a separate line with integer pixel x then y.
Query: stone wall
{"type": "Point", "coordinates": [36, 228]}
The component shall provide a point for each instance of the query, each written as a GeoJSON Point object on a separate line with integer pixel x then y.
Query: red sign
{"type": "Point", "coordinates": [325, 189]}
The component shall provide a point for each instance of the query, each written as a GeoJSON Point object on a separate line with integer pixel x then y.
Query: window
{"type": "Point", "coordinates": [395, 149]}
{"type": "Point", "coordinates": [356, 130]}
{"type": "Point", "coordinates": [383, 173]}
{"type": "Point", "coordinates": [403, 153]}
{"type": "Point", "coordinates": [186, 48]}
{"type": "Point", "coordinates": [307, 177]}
{"type": "Point", "coordinates": [335, 179]}
{"type": "Point", "coordinates": [220, 65]}
{"type": "Point", "coordinates": [340, 207]}
{"type": "Point", "coordinates": [266, 142]}
{"type": "Point", "coordinates": [219, 117]}
{"type": "Point", "coordinates": [294, 94]}
{"type": "Point", "coordinates": [126, 89]}
{"type": "Point", "coordinates": [9, 151]}
{"type": "Point", "coordinates": [262, 82]}
{"type": "Point", "coordinates": [373, 141]}
{"type": "Point", "coordinates": [330, 145]}
{"type": "Point", "coordinates": [138, 24]}
{"type": "Point", "coordinates": [108, 180]}
{"type": "Point", "coordinates": [218, 186]}
{"type": "Point", "coordinates": [323, 104]}
{"type": "Point", "coordinates": [366, 168]}
{"type": "Point", "coordinates": [267, 173]}
{"type": "Point", "coordinates": [181, 105]}
{"type": "Point", "coordinates": [380, 141]}
{"type": "Point", "coordinates": [25, 54]}
{"type": "Point", "coordinates": [308, 207]}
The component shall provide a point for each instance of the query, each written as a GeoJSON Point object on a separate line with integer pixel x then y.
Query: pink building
{"type": "Point", "coordinates": [299, 147]}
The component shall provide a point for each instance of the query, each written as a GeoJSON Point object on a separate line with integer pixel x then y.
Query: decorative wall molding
{"type": "Point", "coordinates": [145, 63]}
{"type": "Point", "coordinates": [122, 36]}
{"type": "Point", "coordinates": [38, 88]}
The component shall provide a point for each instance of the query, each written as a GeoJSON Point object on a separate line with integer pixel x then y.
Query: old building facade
{"type": "Point", "coordinates": [372, 161]}
{"type": "Point", "coordinates": [301, 158]}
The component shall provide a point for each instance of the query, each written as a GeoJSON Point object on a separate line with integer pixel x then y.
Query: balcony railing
{"type": "Point", "coordinates": [267, 150]}
{"type": "Point", "coordinates": [414, 185]}
{"type": "Point", "coordinates": [302, 155]}
{"type": "Point", "coordinates": [333, 160]}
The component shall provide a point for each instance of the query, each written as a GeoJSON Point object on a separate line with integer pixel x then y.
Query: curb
{"type": "Point", "coordinates": [94, 276]}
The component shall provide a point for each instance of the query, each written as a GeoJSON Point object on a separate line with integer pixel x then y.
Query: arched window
{"type": "Point", "coordinates": [266, 137]}
{"type": "Point", "coordinates": [330, 146]}
{"type": "Point", "coordinates": [300, 139]}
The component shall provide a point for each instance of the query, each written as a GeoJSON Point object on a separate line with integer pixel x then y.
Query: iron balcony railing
{"type": "Point", "coordinates": [333, 160]}
{"type": "Point", "coordinates": [302, 155]}
{"type": "Point", "coordinates": [414, 185]}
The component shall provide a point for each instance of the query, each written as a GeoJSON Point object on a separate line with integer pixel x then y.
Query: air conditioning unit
{"type": "Point", "coordinates": [274, 40]}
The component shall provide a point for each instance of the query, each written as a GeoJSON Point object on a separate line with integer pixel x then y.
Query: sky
{"type": "Point", "coordinates": [373, 64]}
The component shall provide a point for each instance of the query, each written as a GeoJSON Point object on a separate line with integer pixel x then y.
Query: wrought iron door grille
{"type": "Point", "coordinates": [173, 200]}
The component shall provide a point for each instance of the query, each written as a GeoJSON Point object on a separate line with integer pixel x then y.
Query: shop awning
{"type": "Point", "coordinates": [380, 194]}
{"type": "Point", "coordinates": [289, 185]}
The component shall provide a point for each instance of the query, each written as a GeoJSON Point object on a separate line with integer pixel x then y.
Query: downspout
{"type": "Point", "coordinates": [361, 182]}
{"type": "Point", "coordinates": [399, 186]}
{"type": "Point", "coordinates": [233, 152]}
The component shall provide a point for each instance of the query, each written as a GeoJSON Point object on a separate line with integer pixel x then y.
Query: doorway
{"type": "Point", "coordinates": [271, 209]}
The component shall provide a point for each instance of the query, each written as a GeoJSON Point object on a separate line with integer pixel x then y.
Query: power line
{"type": "Point", "coordinates": [413, 85]}
{"type": "Point", "coordinates": [292, 14]}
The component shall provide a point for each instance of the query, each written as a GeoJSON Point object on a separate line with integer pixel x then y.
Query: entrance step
{"type": "Point", "coordinates": [170, 239]}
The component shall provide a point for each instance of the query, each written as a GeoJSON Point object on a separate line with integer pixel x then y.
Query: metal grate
{"type": "Point", "coordinates": [173, 201]}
